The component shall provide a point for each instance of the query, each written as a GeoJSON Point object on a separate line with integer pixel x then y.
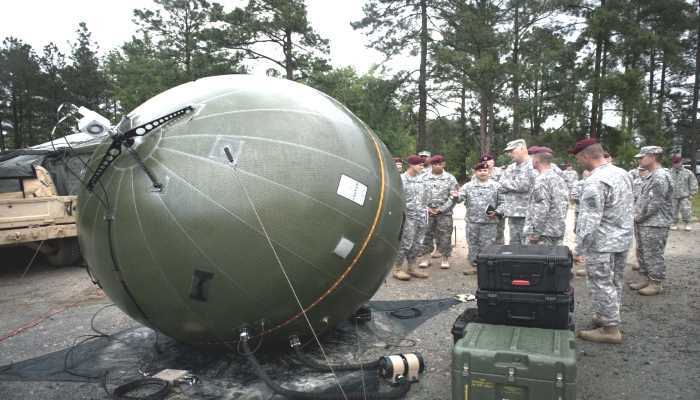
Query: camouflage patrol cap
{"type": "Point", "coordinates": [514, 144]}
{"type": "Point", "coordinates": [647, 150]}
{"type": "Point", "coordinates": [424, 153]}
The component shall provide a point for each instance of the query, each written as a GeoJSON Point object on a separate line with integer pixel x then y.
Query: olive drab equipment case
{"type": "Point", "coordinates": [497, 362]}
{"type": "Point", "coordinates": [518, 268]}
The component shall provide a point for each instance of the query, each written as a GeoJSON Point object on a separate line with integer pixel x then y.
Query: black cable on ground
{"type": "Point", "coordinates": [162, 389]}
{"type": "Point", "coordinates": [315, 364]}
{"type": "Point", "coordinates": [396, 393]}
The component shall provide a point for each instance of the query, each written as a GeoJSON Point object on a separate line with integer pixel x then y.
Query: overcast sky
{"type": "Point", "coordinates": [39, 22]}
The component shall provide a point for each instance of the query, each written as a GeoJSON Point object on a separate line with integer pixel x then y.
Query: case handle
{"type": "Point", "coordinates": [520, 282]}
{"type": "Point", "coordinates": [531, 317]}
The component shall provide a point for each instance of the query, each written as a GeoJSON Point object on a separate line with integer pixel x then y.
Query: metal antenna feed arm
{"type": "Point", "coordinates": [126, 139]}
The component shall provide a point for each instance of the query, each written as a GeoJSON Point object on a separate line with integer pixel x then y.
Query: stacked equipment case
{"type": "Point", "coordinates": [519, 343]}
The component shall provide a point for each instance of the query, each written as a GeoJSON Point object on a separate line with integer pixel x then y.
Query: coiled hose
{"type": "Point", "coordinates": [396, 393]}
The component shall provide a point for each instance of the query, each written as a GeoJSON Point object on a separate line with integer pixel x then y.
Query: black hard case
{"type": "Point", "coordinates": [535, 310]}
{"type": "Point", "coordinates": [468, 316]}
{"type": "Point", "coordinates": [541, 269]}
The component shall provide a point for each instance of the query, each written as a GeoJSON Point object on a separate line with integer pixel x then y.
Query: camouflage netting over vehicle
{"type": "Point", "coordinates": [265, 195]}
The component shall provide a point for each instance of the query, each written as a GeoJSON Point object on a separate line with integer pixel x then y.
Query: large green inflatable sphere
{"type": "Point", "coordinates": [273, 196]}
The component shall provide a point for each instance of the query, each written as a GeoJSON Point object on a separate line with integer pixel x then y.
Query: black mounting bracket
{"type": "Point", "coordinates": [127, 139]}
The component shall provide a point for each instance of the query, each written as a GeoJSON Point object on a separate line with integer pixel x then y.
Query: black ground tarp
{"type": "Point", "coordinates": [129, 354]}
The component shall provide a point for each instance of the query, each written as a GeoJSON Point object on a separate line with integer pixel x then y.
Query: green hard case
{"type": "Point", "coordinates": [499, 362]}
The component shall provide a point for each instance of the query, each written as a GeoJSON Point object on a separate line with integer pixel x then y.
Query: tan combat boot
{"type": "Point", "coordinates": [652, 289]}
{"type": "Point", "coordinates": [639, 285]}
{"type": "Point", "coordinates": [425, 263]}
{"type": "Point", "coordinates": [416, 273]}
{"type": "Point", "coordinates": [400, 274]}
{"type": "Point", "coordinates": [597, 323]}
{"type": "Point", "coordinates": [605, 334]}
{"type": "Point", "coordinates": [674, 227]}
{"type": "Point", "coordinates": [445, 264]}
{"type": "Point", "coordinates": [471, 270]}
{"type": "Point", "coordinates": [688, 228]}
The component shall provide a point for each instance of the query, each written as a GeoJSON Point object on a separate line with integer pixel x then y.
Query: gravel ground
{"type": "Point", "coordinates": [658, 359]}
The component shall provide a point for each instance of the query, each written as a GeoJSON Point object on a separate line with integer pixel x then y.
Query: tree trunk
{"type": "Point", "coordinates": [694, 139]}
{"type": "Point", "coordinates": [596, 80]}
{"type": "Point", "coordinates": [421, 139]}
{"type": "Point", "coordinates": [462, 163]}
{"type": "Point", "coordinates": [288, 60]}
{"type": "Point", "coordinates": [491, 132]}
{"type": "Point", "coordinates": [652, 67]}
{"type": "Point", "coordinates": [483, 124]}
{"type": "Point", "coordinates": [662, 91]}
{"type": "Point", "coordinates": [516, 72]}
{"type": "Point", "coordinates": [601, 98]}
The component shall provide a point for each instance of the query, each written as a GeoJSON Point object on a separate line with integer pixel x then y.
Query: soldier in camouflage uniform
{"type": "Point", "coordinates": [653, 215]}
{"type": "Point", "coordinates": [545, 218]}
{"type": "Point", "coordinates": [637, 175]}
{"type": "Point", "coordinates": [478, 195]}
{"type": "Point", "coordinates": [685, 185]}
{"type": "Point", "coordinates": [414, 224]}
{"type": "Point", "coordinates": [570, 176]}
{"type": "Point", "coordinates": [516, 182]}
{"type": "Point", "coordinates": [575, 195]}
{"type": "Point", "coordinates": [440, 185]}
{"type": "Point", "coordinates": [603, 237]}
{"type": "Point", "coordinates": [495, 174]}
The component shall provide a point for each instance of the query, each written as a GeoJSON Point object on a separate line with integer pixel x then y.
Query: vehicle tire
{"type": "Point", "coordinates": [67, 252]}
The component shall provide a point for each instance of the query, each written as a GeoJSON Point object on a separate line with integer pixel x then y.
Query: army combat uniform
{"type": "Point", "coordinates": [481, 230]}
{"type": "Point", "coordinates": [636, 193]}
{"type": "Point", "coordinates": [653, 216]}
{"type": "Point", "coordinates": [414, 225]}
{"type": "Point", "coordinates": [571, 178]}
{"type": "Point", "coordinates": [546, 210]}
{"type": "Point", "coordinates": [603, 237]}
{"type": "Point", "coordinates": [439, 228]}
{"type": "Point", "coordinates": [685, 185]}
{"type": "Point", "coordinates": [516, 182]}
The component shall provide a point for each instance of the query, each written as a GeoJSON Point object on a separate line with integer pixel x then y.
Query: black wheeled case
{"type": "Point", "coordinates": [538, 310]}
{"type": "Point", "coordinates": [542, 269]}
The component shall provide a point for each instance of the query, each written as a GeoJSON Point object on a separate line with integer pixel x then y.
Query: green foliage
{"type": "Point", "coordinates": [276, 31]}
{"type": "Point", "coordinates": [373, 100]}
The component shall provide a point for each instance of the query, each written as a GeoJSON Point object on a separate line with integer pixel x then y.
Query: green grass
{"type": "Point", "coordinates": [696, 206]}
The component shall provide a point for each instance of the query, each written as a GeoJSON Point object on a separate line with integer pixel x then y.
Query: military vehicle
{"type": "Point", "coordinates": [38, 192]}
{"type": "Point", "coordinates": [240, 202]}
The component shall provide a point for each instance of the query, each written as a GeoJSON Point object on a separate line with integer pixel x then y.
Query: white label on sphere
{"type": "Point", "coordinates": [343, 248]}
{"type": "Point", "coordinates": [352, 190]}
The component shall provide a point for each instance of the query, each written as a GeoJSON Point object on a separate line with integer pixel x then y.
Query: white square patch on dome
{"type": "Point", "coordinates": [352, 190]}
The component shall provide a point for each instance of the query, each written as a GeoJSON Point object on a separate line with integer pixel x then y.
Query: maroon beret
{"type": "Point", "coordinates": [582, 144]}
{"type": "Point", "coordinates": [414, 160]}
{"type": "Point", "coordinates": [437, 159]}
{"type": "Point", "coordinates": [481, 165]}
{"type": "Point", "coordinates": [676, 159]}
{"type": "Point", "coordinates": [486, 157]}
{"type": "Point", "coordinates": [539, 150]}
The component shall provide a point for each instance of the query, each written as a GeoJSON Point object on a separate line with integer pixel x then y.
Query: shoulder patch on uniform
{"type": "Point", "coordinates": [591, 201]}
